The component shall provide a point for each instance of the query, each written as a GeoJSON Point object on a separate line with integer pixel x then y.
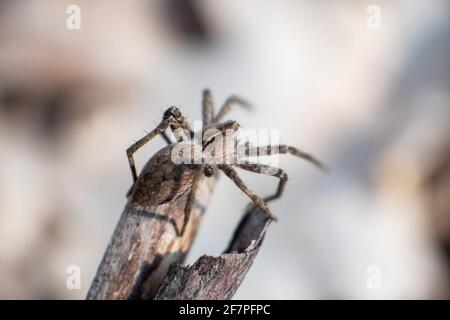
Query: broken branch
{"type": "Point", "coordinates": [218, 277]}
{"type": "Point", "coordinates": [144, 244]}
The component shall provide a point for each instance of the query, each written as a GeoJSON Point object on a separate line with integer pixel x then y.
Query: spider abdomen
{"type": "Point", "coordinates": [161, 180]}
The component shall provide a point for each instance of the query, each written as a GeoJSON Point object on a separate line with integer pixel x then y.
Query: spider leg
{"type": "Point", "coordinates": [232, 174]}
{"type": "Point", "coordinates": [282, 149]}
{"type": "Point", "coordinates": [169, 120]}
{"type": "Point", "coordinates": [207, 107]}
{"type": "Point", "coordinates": [191, 200]}
{"type": "Point", "coordinates": [270, 171]}
{"type": "Point", "coordinates": [141, 142]}
{"type": "Point", "coordinates": [226, 107]}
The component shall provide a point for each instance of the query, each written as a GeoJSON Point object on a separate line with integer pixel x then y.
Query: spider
{"type": "Point", "coordinates": [162, 180]}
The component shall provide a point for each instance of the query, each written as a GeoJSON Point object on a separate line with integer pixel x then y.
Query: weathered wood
{"type": "Point", "coordinates": [143, 246]}
{"type": "Point", "coordinates": [218, 277]}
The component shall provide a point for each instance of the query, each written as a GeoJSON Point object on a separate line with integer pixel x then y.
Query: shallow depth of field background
{"type": "Point", "coordinates": [372, 104]}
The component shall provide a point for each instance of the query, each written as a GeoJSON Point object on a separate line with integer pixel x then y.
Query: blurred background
{"type": "Point", "coordinates": [371, 102]}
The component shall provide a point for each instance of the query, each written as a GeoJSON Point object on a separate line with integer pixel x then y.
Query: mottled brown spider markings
{"type": "Point", "coordinates": [162, 180]}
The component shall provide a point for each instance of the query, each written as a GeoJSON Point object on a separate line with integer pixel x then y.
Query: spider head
{"type": "Point", "coordinates": [219, 132]}
{"type": "Point", "coordinates": [219, 141]}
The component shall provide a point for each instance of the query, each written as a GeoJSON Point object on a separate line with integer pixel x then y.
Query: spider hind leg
{"type": "Point", "coordinates": [270, 171]}
{"type": "Point", "coordinates": [232, 174]}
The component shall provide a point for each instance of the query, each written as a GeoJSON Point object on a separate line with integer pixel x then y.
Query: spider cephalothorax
{"type": "Point", "coordinates": [178, 167]}
{"type": "Point", "coordinates": [219, 142]}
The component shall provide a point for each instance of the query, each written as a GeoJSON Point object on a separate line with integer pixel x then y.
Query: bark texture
{"type": "Point", "coordinates": [143, 259]}
{"type": "Point", "coordinates": [218, 277]}
{"type": "Point", "coordinates": [143, 246]}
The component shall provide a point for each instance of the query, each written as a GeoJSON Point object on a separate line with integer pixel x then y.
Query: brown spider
{"type": "Point", "coordinates": [162, 180]}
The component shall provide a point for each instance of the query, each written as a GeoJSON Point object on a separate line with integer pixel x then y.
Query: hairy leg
{"type": "Point", "coordinates": [270, 171]}
{"type": "Point", "coordinates": [226, 107]}
{"type": "Point", "coordinates": [232, 174]}
{"type": "Point", "coordinates": [172, 118]}
{"type": "Point", "coordinates": [141, 142]}
{"type": "Point", "coordinates": [207, 107]}
{"type": "Point", "coordinates": [281, 149]}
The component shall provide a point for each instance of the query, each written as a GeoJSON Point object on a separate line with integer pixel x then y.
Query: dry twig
{"type": "Point", "coordinates": [143, 246]}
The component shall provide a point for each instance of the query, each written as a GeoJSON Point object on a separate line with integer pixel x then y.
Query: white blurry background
{"type": "Point", "coordinates": [372, 104]}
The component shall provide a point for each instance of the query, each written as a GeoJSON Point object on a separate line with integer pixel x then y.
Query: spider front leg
{"type": "Point", "coordinates": [172, 118]}
{"type": "Point", "coordinates": [207, 107]}
{"type": "Point", "coordinates": [270, 171]}
{"type": "Point", "coordinates": [232, 174]}
{"type": "Point", "coordinates": [226, 107]}
{"type": "Point", "coordinates": [282, 149]}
